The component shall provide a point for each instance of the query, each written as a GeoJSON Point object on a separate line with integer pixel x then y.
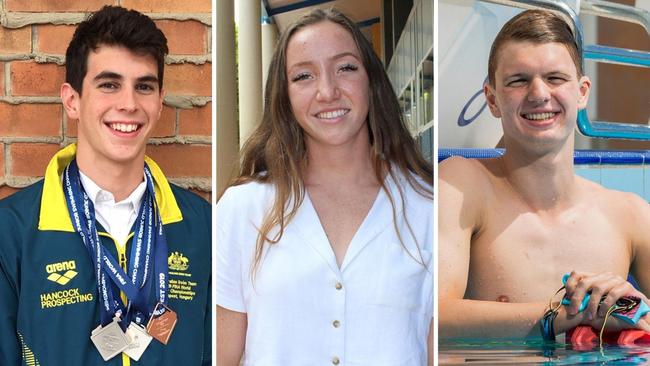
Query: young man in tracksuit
{"type": "Point", "coordinates": [104, 262]}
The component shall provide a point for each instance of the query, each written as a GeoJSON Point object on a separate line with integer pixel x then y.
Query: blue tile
{"type": "Point", "coordinates": [591, 172]}
{"type": "Point", "coordinates": [629, 179]}
{"type": "Point", "coordinates": [646, 174]}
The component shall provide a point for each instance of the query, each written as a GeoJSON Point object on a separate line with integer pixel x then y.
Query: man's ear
{"type": "Point", "coordinates": [163, 92]}
{"type": "Point", "coordinates": [70, 99]}
{"type": "Point", "coordinates": [584, 85]}
{"type": "Point", "coordinates": [490, 97]}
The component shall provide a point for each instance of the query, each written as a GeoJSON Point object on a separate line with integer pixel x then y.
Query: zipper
{"type": "Point", "coordinates": [122, 260]}
{"type": "Point", "coordinates": [121, 255]}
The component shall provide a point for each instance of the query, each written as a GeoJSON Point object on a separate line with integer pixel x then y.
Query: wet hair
{"type": "Point", "coordinates": [113, 26]}
{"type": "Point", "coordinates": [537, 27]}
{"type": "Point", "coordinates": [276, 151]}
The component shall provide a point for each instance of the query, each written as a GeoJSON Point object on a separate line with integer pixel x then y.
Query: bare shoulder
{"type": "Point", "coordinates": [625, 207]}
{"type": "Point", "coordinates": [474, 177]}
{"type": "Point", "coordinates": [458, 167]}
{"type": "Point", "coordinates": [463, 187]}
{"type": "Point", "coordinates": [621, 199]}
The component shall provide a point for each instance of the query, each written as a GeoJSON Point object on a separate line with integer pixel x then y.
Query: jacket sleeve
{"type": "Point", "coordinates": [207, 333]}
{"type": "Point", "coordinates": [10, 351]}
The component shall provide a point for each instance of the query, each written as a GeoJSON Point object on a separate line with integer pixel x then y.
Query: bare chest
{"type": "Point", "coordinates": [341, 213]}
{"type": "Point", "coordinates": [523, 255]}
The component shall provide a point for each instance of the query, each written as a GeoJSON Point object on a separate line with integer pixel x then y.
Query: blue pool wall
{"type": "Point", "coordinates": [627, 171]}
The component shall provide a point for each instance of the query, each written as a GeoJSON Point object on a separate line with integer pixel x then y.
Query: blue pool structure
{"type": "Point", "coordinates": [627, 171]}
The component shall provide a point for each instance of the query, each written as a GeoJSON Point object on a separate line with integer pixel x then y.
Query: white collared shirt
{"type": "Point", "coordinates": [305, 310]}
{"type": "Point", "coordinates": [116, 217]}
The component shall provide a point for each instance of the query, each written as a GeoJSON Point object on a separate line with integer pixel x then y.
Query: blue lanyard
{"type": "Point", "coordinates": [149, 239]}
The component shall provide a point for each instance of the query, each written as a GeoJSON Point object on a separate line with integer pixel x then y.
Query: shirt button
{"type": "Point", "coordinates": [338, 286]}
{"type": "Point", "coordinates": [336, 361]}
{"type": "Point", "coordinates": [336, 323]}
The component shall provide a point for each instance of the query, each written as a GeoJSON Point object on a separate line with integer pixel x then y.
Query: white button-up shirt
{"type": "Point", "coordinates": [116, 217]}
{"type": "Point", "coordinates": [303, 309]}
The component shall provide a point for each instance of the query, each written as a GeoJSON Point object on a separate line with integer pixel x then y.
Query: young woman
{"type": "Point", "coordinates": [324, 239]}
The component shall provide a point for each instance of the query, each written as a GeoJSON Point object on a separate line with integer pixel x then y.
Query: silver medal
{"type": "Point", "coordinates": [140, 340]}
{"type": "Point", "coordinates": [110, 340]}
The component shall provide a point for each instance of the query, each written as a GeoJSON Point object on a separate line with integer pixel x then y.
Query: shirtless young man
{"type": "Point", "coordinates": [511, 227]}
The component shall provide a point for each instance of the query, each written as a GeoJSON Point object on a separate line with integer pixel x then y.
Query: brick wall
{"type": "Point", "coordinates": [34, 35]}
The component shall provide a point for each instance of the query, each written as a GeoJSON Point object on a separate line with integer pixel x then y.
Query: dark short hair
{"type": "Point", "coordinates": [113, 26]}
{"type": "Point", "coordinates": [538, 27]}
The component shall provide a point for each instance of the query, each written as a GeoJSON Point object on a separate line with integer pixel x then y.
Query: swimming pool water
{"type": "Point", "coordinates": [537, 352]}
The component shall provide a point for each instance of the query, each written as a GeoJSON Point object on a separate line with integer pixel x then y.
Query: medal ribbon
{"type": "Point", "coordinates": [161, 251]}
{"type": "Point", "coordinates": [137, 286]}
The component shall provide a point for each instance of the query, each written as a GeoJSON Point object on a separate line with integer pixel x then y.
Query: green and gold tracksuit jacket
{"type": "Point", "coordinates": [48, 290]}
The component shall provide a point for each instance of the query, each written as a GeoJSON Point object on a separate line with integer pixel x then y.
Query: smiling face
{"type": "Point", "coordinates": [537, 93]}
{"type": "Point", "coordinates": [328, 86]}
{"type": "Point", "coordinates": [119, 107]}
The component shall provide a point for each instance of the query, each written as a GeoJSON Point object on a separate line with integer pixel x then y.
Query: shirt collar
{"type": "Point", "coordinates": [54, 210]}
{"type": "Point", "coordinates": [97, 194]}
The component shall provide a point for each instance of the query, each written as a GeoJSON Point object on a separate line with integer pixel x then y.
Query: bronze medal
{"type": "Point", "coordinates": [162, 323]}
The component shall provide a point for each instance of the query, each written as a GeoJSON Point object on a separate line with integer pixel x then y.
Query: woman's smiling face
{"type": "Point", "coordinates": [328, 85]}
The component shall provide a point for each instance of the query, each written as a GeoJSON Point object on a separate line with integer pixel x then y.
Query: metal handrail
{"type": "Point", "coordinates": [615, 55]}
{"type": "Point", "coordinates": [616, 11]}
{"type": "Point", "coordinates": [558, 6]}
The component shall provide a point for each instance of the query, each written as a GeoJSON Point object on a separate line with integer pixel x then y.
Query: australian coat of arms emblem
{"type": "Point", "coordinates": [178, 262]}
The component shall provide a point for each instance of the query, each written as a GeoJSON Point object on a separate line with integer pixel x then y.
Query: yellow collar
{"type": "Point", "coordinates": [54, 210]}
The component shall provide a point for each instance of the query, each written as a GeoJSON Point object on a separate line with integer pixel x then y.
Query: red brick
{"type": "Point", "coordinates": [2, 78]}
{"type": "Point", "coordinates": [182, 160]}
{"type": "Point", "coordinates": [188, 79]}
{"type": "Point", "coordinates": [166, 126]}
{"type": "Point", "coordinates": [169, 6]}
{"type": "Point", "coordinates": [30, 119]}
{"type": "Point", "coordinates": [2, 160]}
{"type": "Point", "coordinates": [54, 39]}
{"type": "Point", "coordinates": [184, 37]}
{"type": "Point", "coordinates": [196, 121]}
{"type": "Point", "coordinates": [30, 159]}
{"type": "Point", "coordinates": [57, 5]}
{"type": "Point", "coordinates": [6, 191]}
{"type": "Point", "coordinates": [30, 78]}
{"type": "Point", "coordinates": [15, 40]}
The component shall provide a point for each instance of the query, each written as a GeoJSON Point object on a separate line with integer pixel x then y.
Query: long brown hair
{"type": "Point", "coordinates": [275, 152]}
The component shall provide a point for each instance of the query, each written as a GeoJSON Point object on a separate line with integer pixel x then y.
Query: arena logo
{"type": "Point", "coordinates": [61, 272]}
